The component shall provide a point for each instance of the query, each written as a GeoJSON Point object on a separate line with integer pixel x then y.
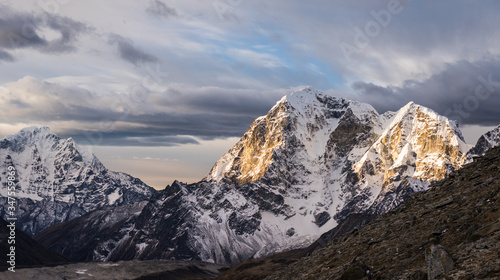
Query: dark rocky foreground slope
{"type": "Point", "coordinates": [27, 251]}
{"type": "Point", "coordinates": [448, 232]}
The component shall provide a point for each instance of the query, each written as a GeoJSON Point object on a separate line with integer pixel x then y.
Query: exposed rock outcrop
{"type": "Point", "coordinates": [487, 141]}
{"type": "Point", "coordinates": [439, 262]}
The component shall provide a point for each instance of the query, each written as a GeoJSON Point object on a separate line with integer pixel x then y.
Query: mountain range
{"type": "Point", "coordinates": [450, 231]}
{"type": "Point", "coordinates": [306, 167]}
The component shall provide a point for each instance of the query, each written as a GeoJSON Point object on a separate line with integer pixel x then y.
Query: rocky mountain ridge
{"type": "Point", "coordinates": [487, 141]}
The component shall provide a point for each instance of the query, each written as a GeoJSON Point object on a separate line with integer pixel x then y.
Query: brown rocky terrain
{"type": "Point", "coordinates": [451, 231]}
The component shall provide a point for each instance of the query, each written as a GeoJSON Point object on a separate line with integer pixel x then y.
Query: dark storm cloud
{"type": "Point", "coordinates": [207, 125]}
{"type": "Point", "coordinates": [157, 129]}
{"type": "Point", "coordinates": [465, 91]}
{"type": "Point", "coordinates": [24, 30]}
{"type": "Point", "coordinates": [165, 118]}
{"type": "Point", "coordinates": [68, 29]}
{"type": "Point", "coordinates": [160, 9]}
{"type": "Point", "coordinates": [129, 52]}
{"type": "Point", "coordinates": [201, 125]}
{"type": "Point", "coordinates": [19, 30]}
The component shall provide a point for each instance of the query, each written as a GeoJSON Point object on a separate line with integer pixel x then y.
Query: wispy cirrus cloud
{"type": "Point", "coordinates": [257, 59]}
{"type": "Point", "coordinates": [20, 30]}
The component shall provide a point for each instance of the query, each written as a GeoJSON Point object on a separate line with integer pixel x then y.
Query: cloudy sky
{"type": "Point", "coordinates": [161, 88]}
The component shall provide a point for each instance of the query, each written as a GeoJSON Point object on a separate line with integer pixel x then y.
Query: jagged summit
{"type": "Point", "coordinates": [305, 117]}
{"type": "Point", "coordinates": [44, 139]}
{"type": "Point", "coordinates": [414, 110]}
{"type": "Point", "coordinates": [301, 97]}
{"type": "Point", "coordinates": [31, 135]}
{"type": "Point", "coordinates": [35, 129]}
{"type": "Point", "coordinates": [308, 98]}
{"type": "Point", "coordinates": [421, 137]}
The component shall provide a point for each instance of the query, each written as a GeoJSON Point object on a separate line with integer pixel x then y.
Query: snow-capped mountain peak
{"type": "Point", "coordinates": [302, 97]}
{"type": "Point", "coordinates": [426, 145]}
{"type": "Point", "coordinates": [57, 180]}
{"type": "Point", "coordinates": [39, 131]}
{"type": "Point", "coordinates": [306, 117]}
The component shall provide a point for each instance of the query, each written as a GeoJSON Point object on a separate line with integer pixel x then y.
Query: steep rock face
{"type": "Point", "coordinates": [96, 225]}
{"type": "Point", "coordinates": [249, 159]}
{"type": "Point", "coordinates": [487, 141]}
{"type": "Point", "coordinates": [296, 139]}
{"type": "Point", "coordinates": [297, 172]}
{"type": "Point", "coordinates": [57, 181]}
